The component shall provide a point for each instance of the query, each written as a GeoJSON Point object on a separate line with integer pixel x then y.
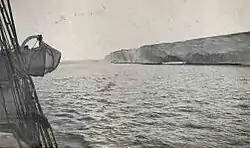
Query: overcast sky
{"type": "Point", "coordinates": [90, 29]}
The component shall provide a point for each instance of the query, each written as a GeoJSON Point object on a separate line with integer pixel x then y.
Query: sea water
{"type": "Point", "coordinates": [123, 106]}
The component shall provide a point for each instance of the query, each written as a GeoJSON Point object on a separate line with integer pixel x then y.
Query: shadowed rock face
{"type": "Point", "coordinates": [233, 48]}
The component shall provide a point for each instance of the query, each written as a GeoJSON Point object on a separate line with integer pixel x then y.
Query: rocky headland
{"type": "Point", "coordinates": [232, 49]}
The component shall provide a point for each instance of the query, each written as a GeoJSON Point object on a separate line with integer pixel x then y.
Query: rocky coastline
{"type": "Point", "coordinates": [232, 49]}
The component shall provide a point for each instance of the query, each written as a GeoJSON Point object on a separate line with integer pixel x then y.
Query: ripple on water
{"type": "Point", "coordinates": [134, 106]}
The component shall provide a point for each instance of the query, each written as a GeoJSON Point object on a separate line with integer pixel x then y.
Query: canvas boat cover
{"type": "Point", "coordinates": [41, 60]}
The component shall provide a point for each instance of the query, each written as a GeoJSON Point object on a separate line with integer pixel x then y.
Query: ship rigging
{"type": "Point", "coordinates": [20, 111]}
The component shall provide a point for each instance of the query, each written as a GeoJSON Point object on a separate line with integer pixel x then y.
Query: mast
{"type": "Point", "coordinates": [23, 115]}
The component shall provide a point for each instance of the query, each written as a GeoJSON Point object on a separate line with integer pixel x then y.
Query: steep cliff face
{"type": "Point", "coordinates": [140, 55]}
{"type": "Point", "coordinates": [234, 48]}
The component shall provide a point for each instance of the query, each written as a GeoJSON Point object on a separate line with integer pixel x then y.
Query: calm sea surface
{"type": "Point", "coordinates": [123, 106]}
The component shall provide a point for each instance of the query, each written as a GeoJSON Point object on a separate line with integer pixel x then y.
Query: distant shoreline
{"type": "Point", "coordinates": [78, 61]}
{"type": "Point", "coordinates": [200, 64]}
{"type": "Point", "coordinates": [155, 63]}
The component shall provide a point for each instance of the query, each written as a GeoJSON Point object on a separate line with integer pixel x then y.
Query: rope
{"type": "Point", "coordinates": [20, 92]}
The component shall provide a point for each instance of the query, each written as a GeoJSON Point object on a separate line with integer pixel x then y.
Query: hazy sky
{"type": "Point", "coordinates": [90, 29]}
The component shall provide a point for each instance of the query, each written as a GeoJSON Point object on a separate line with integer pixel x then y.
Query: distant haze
{"type": "Point", "coordinates": [90, 29]}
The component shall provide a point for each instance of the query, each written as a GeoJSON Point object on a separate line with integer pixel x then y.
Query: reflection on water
{"type": "Point", "coordinates": [101, 105]}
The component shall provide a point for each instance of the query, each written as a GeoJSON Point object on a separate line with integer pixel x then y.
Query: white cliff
{"type": "Point", "coordinates": [233, 48]}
